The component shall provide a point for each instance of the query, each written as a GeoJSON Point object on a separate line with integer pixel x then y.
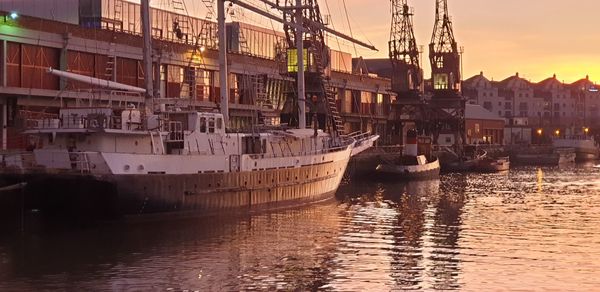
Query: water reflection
{"type": "Point", "coordinates": [529, 228]}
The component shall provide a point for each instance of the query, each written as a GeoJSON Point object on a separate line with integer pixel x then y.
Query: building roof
{"type": "Point", "coordinates": [583, 84]}
{"type": "Point", "coordinates": [477, 81]}
{"type": "Point", "coordinates": [514, 82]}
{"type": "Point", "coordinates": [381, 67]}
{"type": "Point", "coordinates": [549, 84]}
{"type": "Point", "coordinates": [477, 112]}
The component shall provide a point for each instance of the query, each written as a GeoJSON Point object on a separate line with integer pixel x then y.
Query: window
{"type": "Point", "coordinates": [211, 125]}
{"type": "Point", "coordinates": [477, 129]}
{"type": "Point", "coordinates": [203, 125]}
{"type": "Point", "coordinates": [448, 140]}
{"type": "Point", "coordinates": [487, 105]}
{"type": "Point", "coordinates": [440, 81]}
{"type": "Point", "coordinates": [219, 123]}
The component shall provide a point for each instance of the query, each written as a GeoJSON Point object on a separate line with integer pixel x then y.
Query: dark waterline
{"type": "Point", "coordinates": [527, 229]}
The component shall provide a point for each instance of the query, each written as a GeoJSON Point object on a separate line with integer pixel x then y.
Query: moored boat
{"type": "Point", "coordinates": [106, 162]}
{"type": "Point", "coordinates": [412, 165]}
{"type": "Point", "coordinates": [550, 158]}
{"type": "Point", "coordinates": [585, 147]}
{"type": "Point", "coordinates": [490, 164]}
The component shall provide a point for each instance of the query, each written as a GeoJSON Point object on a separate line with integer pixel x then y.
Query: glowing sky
{"type": "Point", "coordinates": [537, 38]}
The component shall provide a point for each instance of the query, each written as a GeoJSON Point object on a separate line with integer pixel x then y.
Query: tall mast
{"type": "Point", "coordinates": [223, 70]}
{"type": "Point", "coordinates": [300, 51]}
{"type": "Point", "coordinates": [147, 57]}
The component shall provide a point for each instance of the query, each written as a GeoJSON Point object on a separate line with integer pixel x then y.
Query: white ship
{"type": "Point", "coordinates": [106, 162]}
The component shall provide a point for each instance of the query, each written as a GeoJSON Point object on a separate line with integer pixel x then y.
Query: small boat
{"type": "Point", "coordinates": [554, 158]}
{"type": "Point", "coordinates": [490, 164]}
{"type": "Point", "coordinates": [467, 163]}
{"type": "Point", "coordinates": [412, 165]}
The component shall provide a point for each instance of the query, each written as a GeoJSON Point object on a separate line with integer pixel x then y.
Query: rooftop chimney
{"type": "Point", "coordinates": [517, 74]}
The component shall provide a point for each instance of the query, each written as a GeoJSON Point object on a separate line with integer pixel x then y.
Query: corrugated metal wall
{"type": "Point", "coordinates": [26, 66]}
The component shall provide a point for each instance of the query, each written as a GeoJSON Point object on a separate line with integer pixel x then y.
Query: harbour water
{"type": "Point", "coordinates": [530, 228]}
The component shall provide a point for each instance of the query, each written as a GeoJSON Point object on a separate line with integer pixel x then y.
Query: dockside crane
{"type": "Point", "coordinates": [447, 106]}
{"type": "Point", "coordinates": [319, 96]}
{"type": "Point", "coordinates": [443, 53]}
{"type": "Point", "coordinates": [407, 74]}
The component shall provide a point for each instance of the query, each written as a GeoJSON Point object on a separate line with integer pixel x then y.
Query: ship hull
{"type": "Point", "coordinates": [426, 171]}
{"type": "Point", "coordinates": [92, 197]}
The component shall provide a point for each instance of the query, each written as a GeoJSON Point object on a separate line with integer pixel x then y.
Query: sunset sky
{"type": "Point", "coordinates": [537, 38]}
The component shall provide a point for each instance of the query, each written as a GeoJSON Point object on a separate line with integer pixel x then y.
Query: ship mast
{"type": "Point", "coordinates": [147, 57]}
{"type": "Point", "coordinates": [223, 68]}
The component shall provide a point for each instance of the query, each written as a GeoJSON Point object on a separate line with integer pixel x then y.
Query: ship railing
{"type": "Point", "coordinates": [300, 153]}
{"type": "Point", "coordinates": [575, 137]}
{"type": "Point", "coordinates": [17, 160]}
{"type": "Point", "coordinates": [76, 122]}
{"type": "Point", "coordinates": [80, 161]}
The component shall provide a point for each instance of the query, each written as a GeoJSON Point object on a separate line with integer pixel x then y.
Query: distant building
{"type": "Point", "coordinates": [543, 107]}
{"type": "Point", "coordinates": [481, 127]}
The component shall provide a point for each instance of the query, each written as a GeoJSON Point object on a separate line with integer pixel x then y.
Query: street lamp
{"type": "Point", "coordinates": [11, 16]}
{"type": "Point", "coordinates": [586, 130]}
{"type": "Point", "coordinates": [557, 132]}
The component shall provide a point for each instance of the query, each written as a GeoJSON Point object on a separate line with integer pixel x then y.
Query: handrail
{"type": "Point", "coordinates": [320, 151]}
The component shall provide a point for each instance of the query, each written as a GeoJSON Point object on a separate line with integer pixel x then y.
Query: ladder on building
{"type": "Point", "coordinates": [118, 7]}
{"type": "Point", "coordinates": [338, 124]}
{"type": "Point", "coordinates": [259, 89]}
{"type": "Point", "coordinates": [188, 86]}
{"type": "Point", "coordinates": [329, 94]}
{"type": "Point", "coordinates": [109, 71]}
{"type": "Point", "coordinates": [181, 23]}
{"type": "Point", "coordinates": [243, 43]}
{"type": "Point", "coordinates": [207, 36]}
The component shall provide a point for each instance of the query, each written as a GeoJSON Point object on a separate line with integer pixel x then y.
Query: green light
{"type": "Point", "coordinates": [13, 15]}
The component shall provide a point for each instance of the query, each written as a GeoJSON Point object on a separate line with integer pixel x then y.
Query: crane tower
{"type": "Point", "coordinates": [447, 106]}
{"type": "Point", "coordinates": [407, 75]}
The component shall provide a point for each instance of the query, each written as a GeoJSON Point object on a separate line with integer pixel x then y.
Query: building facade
{"type": "Point", "coordinates": [535, 112]}
{"type": "Point", "coordinates": [104, 41]}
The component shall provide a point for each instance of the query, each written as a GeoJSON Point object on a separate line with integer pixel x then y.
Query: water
{"type": "Point", "coordinates": [530, 229]}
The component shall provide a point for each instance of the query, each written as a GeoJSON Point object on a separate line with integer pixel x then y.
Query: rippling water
{"type": "Point", "coordinates": [531, 229]}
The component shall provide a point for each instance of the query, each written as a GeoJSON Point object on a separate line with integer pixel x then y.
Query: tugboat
{"type": "Point", "coordinates": [412, 165]}
{"type": "Point", "coordinates": [105, 163]}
